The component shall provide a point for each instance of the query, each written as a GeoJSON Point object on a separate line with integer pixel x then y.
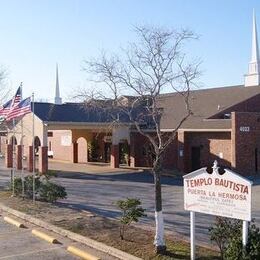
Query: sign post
{"type": "Point", "coordinates": [224, 194]}
{"type": "Point", "coordinates": [192, 236]}
{"type": "Point", "coordinates": [245, 233]}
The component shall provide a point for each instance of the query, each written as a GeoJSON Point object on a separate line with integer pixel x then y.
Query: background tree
{"type": "Point", "coordinates": [155, 63]}
{"type": "Point", "coordinates": [4, 89]}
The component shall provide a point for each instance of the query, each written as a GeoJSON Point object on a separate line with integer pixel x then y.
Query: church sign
{"type": "Point", "coordinates": [227, 195]}
{"type": "Point", "coordinates": [220, 193]}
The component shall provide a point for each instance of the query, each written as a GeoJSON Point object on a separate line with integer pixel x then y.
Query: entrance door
{"type": "Point", "coordinates": [195, 158]}
{"type": "Point", "coordinates": [107, 152]}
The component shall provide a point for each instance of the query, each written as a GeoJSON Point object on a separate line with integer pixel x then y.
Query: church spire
{"type": "Point", "coordinates": [252, 78]}
{"type": "Point", "coordinates": [58, 99]}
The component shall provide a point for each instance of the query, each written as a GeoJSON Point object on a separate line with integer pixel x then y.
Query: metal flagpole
{"type": "Point", "coordinates": [22, 148]}
{"type": "Point", "coordinates": [13, 158]}
{"type": "Point", "coordinates": [33, 148]}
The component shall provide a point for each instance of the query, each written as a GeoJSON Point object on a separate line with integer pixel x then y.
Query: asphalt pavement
{"type": "Point", "coordinates": [98, 192]}
{"type": "Point", "coordinates": [21, 244]}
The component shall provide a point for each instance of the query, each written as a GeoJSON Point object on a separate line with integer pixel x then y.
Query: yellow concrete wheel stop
{"type": "Point", "coordinates": [44, 236]}
{"type": "Point", "coordinates": [14, 222]}
{"type": "Point", "coordinates": [84, 255]}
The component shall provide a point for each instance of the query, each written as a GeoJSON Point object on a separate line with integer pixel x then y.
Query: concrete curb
{"type": "Point", "coordinates": [84, 240]}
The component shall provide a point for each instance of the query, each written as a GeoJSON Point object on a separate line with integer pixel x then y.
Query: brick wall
{"type": "Point", "coordinates": [245, 141]}
{"type": "Point", "coordinates": [139, 149]}
{"type": "Point", "coordinates": [60, 152]}
{"type": "Point", "coordinates": [213, 145]}
{"type": "Point", "coordinates": [138, 146]}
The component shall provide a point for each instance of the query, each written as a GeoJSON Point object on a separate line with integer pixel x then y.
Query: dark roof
{"type": "Point", "coordinates": [77, 113]}
{"type": "Point", "coordinates": [204, 103]}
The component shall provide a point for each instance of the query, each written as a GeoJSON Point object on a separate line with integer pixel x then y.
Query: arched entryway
{"type": "Point", "coordinates": [82, 150]}
{"type": "Point", "coordinates": [13, 140]}
{"type": "Point", "coordinates": [37, 145]}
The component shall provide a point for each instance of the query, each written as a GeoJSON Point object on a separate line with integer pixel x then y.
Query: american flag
{"type": "Point", "coordinates": [4, 110]}
{"type": "Point", "coordinates": [21, 109]}
{"type": "Point", "coordinates": [17, 97]}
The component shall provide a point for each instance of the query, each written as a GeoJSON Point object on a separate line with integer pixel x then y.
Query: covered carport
{"type": "Point", "coordinates": [64, 131]}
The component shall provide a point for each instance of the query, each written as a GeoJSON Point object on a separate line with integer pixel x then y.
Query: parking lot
{"type": "Point", "coordinates": [21, 244]}
{"type": "Point", "coordinates": [97, 190]}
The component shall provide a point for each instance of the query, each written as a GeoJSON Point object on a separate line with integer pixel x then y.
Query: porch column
{"type": "Point", "coordinates": [118, 133]}
{"type": "Point", "coordinates": [115, 156]}
{"type": "Point", "coordinates": [132, 151]}
{"type": "Point", "coordinates": [43, 159]}
{"type": "Point", "coordinates": [181, 152]}
{"type": "Point", "coordinates": [9, 156]}
{"type": "Point", "coordinates": [30, 159]}
{"type": "Point", "coordinates": [19, 157]}
{"type": "Point", "coordinates": [75, 152]}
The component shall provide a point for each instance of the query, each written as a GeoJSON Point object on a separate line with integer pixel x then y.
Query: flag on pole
{"type": "Point", "coordinates": [4, 110]}
{"type": "Point", "coordinates": [17, 97]}
{"type": "Point", "coordinates": [21, 109]}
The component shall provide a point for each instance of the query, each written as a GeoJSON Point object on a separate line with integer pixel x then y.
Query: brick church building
{"type": "Point", "coordinates": [225, 125]}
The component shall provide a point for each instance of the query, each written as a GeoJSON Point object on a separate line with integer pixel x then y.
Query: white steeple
{"type": "Point", "coordinates": [253, 77]}
{"type": "Point", "coordinates": [58, 99]}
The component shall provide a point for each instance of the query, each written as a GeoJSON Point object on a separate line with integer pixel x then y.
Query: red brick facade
{"type": "Point", "coordinates": [246, 142]}
{"type": "Point", "coordinates": [236, 147]}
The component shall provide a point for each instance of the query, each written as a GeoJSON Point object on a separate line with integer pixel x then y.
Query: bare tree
{"type": "Point", "coordinates": [4, 89]}
{"type": "Point", "coordinates": [149, 67]}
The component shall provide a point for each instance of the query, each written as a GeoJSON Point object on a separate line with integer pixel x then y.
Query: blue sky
{"type": "Point", "coordinates": [35, 34]}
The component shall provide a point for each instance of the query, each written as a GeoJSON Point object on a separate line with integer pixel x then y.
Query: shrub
{"type": "Point", "coordinates": [222, 230]}
{"type": "Point", "coordinates": [51, 192]}
{"type": "Point", "coordinates": [28, 186]}
{"type": "Point", "coordinates": [93, 148]}
{"type": "Point", "coordinates": [44, 189]}
{"type": "Point", "coordinates": [131, 211]}
{"type": "Point", "coordinates": [227, 233]}
{"type": "Point", "coordinates": [235, 250]}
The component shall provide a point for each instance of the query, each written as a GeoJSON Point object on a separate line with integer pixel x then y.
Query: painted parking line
{"type": "Point", "coordinates": [32, 252]}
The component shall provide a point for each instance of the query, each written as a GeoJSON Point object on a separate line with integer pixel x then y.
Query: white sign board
{"type": "Point", "coordinates": [227, 195]}
{"type": "Point", "coordinates": [66, 140]}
